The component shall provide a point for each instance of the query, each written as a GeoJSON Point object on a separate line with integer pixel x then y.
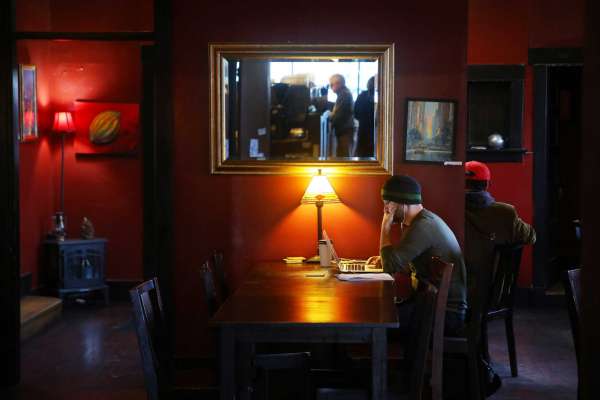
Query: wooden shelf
{"type": "Point", "coordinates": [491, 155]}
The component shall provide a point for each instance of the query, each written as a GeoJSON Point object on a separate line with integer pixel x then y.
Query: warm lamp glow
{"type": "Point", "coordinates": [320, 189]}
{"type": "Point", "coordinates": [63, 122]}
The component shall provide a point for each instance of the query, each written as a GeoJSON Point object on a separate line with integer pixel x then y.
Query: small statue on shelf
{"type": "Point", "coordinates": [87, 229]}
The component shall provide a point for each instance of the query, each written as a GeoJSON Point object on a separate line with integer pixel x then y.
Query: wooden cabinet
{"type": "Point", "coordinates": [76, 266]}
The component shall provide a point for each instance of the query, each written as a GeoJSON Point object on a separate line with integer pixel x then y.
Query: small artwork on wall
{"type": "Point", "coordinates": [28, 103]}
{"type": "Point", "coordinates": [104, 128]}
{"type": "Point", "coordinates": [430, 130]}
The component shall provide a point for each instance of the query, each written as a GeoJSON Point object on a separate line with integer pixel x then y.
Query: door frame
{"type": "Point", "coordinates": [542, 60]}
{"type": "Point", "coordinates": [157, 123]}
{"type": "Point", "coordinates": [10, 313]}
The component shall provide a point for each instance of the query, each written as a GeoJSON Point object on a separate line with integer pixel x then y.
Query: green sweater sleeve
{"type": "Point", "coordinates": [397, 258]}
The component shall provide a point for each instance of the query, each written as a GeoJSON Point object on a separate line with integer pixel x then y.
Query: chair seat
{"type": "Point", "coordinates": [501, 312]}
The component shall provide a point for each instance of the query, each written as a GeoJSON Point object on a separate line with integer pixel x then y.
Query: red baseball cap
{"type": "Point", "coordinates": [477, 171]}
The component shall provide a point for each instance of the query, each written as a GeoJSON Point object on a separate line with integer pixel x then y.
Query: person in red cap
{"type": "Point", "coordinates": [488, 223]}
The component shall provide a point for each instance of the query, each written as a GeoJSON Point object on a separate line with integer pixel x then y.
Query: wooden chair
{"type": "Point", "coordinates": [263, 363]}
{"type": "Point", "coordinates": [470, 344]}
{"type": "Point", "coordinates": [149, 317]}
{"type": "Point", "coordinates": [572, 284]}
{"type": "Point", "coordinates": [418, 350]}
{"type": "Point", "coordinates": [442, 273]}
{"type": "Point", "coordinates": [507, 261]}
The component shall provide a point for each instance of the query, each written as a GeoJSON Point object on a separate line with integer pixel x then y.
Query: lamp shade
{"type": "Point", "coordinates": [63, 122]}
{"type": "Point", "coordinates": [320, 189]}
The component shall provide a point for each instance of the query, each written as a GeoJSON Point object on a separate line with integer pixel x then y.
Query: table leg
{"type": "Point", "coordinates": [379, 363]}
{"type": "Point", "coordinates": [227, 363]}
{"type": "Point", "coordinates": [245, 372]}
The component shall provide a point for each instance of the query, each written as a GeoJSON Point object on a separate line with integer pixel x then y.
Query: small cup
{"type": "Point", "coordinates": [324, 254]}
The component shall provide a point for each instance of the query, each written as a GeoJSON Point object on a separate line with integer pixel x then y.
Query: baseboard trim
{"type": "Point", "coordinates": [119, 288]}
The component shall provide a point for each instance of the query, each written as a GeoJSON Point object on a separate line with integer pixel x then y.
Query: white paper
{"type": "Point", "coordinates": [365, 277]}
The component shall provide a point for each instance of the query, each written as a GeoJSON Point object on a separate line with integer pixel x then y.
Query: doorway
{"type": "Point", "coordinates": [557, 171]}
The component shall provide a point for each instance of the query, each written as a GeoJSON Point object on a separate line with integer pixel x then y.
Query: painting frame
{"type": "Point", "coordinates": [28, 127]}
{"type": "Point", "coordinates": [439, 144]}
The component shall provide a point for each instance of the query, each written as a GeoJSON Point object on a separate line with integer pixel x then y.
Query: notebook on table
{"type": "Point", "coordinates": [350, 265]}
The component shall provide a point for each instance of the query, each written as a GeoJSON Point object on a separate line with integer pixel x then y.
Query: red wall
{"type": "Point", "coordinates": [260, 217]}
{"type": "Point", "coordinates": [501, 32]}
{"type": "Point", "coordinates": [84, 16]}
{"type": "Point", "coordinates": [106, 190]}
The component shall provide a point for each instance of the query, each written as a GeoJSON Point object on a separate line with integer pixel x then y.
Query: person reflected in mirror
{"type": "Point", "coordinates": [342, 117]}
{"type": "Point", "coordinates": [364, 112]}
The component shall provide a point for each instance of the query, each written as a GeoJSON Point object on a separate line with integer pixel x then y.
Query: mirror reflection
{"type": "Point", "coordinates": [301, 109]}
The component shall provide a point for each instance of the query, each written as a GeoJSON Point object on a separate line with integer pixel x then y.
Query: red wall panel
{"type": "Point", "coordinates": [84, 16]}
{"type": "Point", "coordinates": [556, 23]}
{"type": "Point", "coordinates": [260, 217]}
{"type": "Point", "coordinates": [502, 33]}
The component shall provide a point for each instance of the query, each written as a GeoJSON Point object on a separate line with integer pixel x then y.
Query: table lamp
{"type": "Point", "coordinates": [319, 192]}
{"type": "Point", "coordinates": [63, 125]}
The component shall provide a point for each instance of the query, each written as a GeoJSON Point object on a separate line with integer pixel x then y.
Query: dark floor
{"type": "Point", "coordinates": [91, 353]}
{"type": "Point", "coordinates": [545, 355]}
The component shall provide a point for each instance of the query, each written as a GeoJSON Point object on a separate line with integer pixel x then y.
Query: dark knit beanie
{"type": "Point", "coordinates": [401, 189]}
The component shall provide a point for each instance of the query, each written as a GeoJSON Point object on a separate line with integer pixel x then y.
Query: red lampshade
{"type": "Point", "coordinates": [63, 122]}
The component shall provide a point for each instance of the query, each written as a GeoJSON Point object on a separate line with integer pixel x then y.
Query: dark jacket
{"type": "Point", "coordinates": [489, 223]}
{"type": "Point", "coordinates": [341, 116]}
{"type": "Point", "coordinates": [364, 112]}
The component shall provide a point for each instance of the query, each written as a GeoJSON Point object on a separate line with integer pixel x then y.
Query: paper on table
{"type": "Point", "coordinates": [365, 277]}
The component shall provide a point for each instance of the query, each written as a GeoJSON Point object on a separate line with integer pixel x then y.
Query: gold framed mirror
{"type": "Point", "coordinates": [291, 108]}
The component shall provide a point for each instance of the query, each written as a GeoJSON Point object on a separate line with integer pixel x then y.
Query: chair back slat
{"type": "Point", "coordinates": [420, 336]}
{"type": "Point", "coordinates": [479, 300]}
{"type": "Point", "coordinates": [210, 290]}
{"type": "Point", "coordinates": [443, 271]}
{"type": "Point", "coordinates": [149, 321]}
{"type": "Point", "coordinates": [505, 272]}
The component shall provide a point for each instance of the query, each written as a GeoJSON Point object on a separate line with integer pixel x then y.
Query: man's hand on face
{"type": "Point", "coordinates": [389, 213]}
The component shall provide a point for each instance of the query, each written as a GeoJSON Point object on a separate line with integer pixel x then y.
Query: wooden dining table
{"type": "Point", "coordinates": [304, 303]}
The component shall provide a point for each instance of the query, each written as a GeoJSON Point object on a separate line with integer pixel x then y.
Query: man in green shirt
{"type": "Point", "coordinates": [424, 235]}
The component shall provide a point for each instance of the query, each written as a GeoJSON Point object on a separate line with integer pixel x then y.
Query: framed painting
{"type": "Point", "coordinates": [28, 129]}
{"type": "Point", "coordinates": [430, 130]}
{"type": "Point", "coordinates": [103, 128]}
